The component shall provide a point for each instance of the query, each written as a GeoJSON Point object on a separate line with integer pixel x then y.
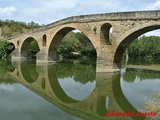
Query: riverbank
{"type": "Point", "coordinates": [147, 67]}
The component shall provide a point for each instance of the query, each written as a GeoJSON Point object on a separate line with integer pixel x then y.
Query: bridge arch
{"type": "Point", "coordinates": [24, 49]}
{"type": "Point", "coordinates": [57, 38]}
{"type": "Point", "coordinates": [130, 37]}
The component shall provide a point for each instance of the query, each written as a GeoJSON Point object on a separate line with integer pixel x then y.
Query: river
{"type": "Point", "coordinates": [74, 91]}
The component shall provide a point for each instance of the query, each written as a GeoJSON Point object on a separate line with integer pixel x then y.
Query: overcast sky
{"type": "Point", "coordinates": [48, 11]}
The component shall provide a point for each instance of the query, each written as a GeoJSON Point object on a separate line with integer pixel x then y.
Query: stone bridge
{"type": "Point", "coordinates": [124, 26]}
{"type": "Point", "coordinates": [92, 107]}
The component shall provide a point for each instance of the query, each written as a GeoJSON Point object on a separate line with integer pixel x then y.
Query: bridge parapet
{"type": "Point", "coordinates": [133, 15]}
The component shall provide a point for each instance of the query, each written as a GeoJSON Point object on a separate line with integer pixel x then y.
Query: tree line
{"type": "Point", "coordinates": [145, 47]}
{"type": "Point", "coordinates": [11, 27]}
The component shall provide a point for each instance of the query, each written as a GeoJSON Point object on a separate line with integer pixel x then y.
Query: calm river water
{"type": "Point", "coordinates": [74, 91]}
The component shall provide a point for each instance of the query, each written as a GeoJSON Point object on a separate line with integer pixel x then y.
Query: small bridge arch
{"type": "Point", "coordinates": [25, 46]}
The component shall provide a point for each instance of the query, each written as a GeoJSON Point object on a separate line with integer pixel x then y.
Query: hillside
{"type": "Point", "coordinates": [10, 27]}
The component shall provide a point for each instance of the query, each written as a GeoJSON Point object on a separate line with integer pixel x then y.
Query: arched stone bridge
{"type": "Point", "coordinates": [126, 27]}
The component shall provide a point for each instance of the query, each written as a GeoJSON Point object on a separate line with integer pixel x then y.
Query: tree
{"type": "Point", "coordinates": [145, 47]}
{"type": "Point", "coordinates": [6, 49]}
{"type": "Point", "coordinates": [34, 48]}
{"type": "Point", "coordinates": [83, 39]}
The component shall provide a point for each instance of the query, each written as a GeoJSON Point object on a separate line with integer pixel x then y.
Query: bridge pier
{"type": "Point", "coordinates": [44, 57]}
{"type": "Point", "coordinates": [105, 58]}
{"type": "Point", "coordinates": [16, 55]}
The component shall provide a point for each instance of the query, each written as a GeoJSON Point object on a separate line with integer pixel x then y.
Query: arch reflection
{"type": "Point", "coordinates": [28, 71]}
{"type": "Point", "coordinates": [92, 107]}
{"type": "Point", "coordinates": [77, 80]}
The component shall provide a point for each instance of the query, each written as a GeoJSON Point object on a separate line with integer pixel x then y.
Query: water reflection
{"type": "Point", "coordinates": [75, 80]}
{"type": "Point", "coordinates": [49, 81]}
{"type": "Point", "coordinates": [28, 71]}
{"type": "Point", "coordinates": [6, 66]}
{"type": "Point", "coordinates": [138, 85]}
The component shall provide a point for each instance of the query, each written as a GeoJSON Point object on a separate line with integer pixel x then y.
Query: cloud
{"type": "Point", "coordinates": [47, 11]}
{"type": "Point", "coordinates": [50, 6]}
{"type": "Point", "coordinates": [11, 10]}
{"type": "Point", "coordinates": [7, 87]}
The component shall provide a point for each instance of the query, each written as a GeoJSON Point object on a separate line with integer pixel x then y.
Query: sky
{"type": "Point", "coordinates": [48, 11]}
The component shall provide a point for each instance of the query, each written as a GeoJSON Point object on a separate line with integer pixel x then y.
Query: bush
{"type": "Point", "coordinates": [6, 49]}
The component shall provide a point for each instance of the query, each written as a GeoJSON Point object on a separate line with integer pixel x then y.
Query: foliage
{"type": "Point", "coordinates": [82, 38]}
{"type": "Point", "coordinates": [153, 104]}
{"type": "Point", "coordinates": [88, 51]}
{"type": "Point", "coordinates": [11, 27]}
{"type": "Point", "coordinates": [132, 74]}
{"type": "Point", "coordinates": [77, 43]}
{"type": "Point", "coordinates": [67, 47]}
{"type": "Point", "coordinates": [28, 70]}
{"type": "Point", "coordinates": [5, 66]}
{"type": "Point", "coordinates": [81, 73]}
{"type": "Point", "coordinates": [34, 48]}
{"type": "Point", "coordinates": [145, 47]}
{"type": "Point", "coordinates": [5, 49]}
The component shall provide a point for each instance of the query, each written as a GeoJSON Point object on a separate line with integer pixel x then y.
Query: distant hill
{"type": "Point", "coordinates": [10, 27]}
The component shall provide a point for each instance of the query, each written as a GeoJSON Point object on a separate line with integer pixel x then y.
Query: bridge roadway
{"type": "Point", "coordinates": [125, 26]}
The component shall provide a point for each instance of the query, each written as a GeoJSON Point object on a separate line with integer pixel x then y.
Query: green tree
{"type": "Point", "coordinates": [145, 47]}
{"type": "Point", "coordinates": [11, 27]}
{"type": "Point", "coordinates": [34, 47]}
{"type": "Point", "coordinates": [83, 39]}
{"type": "Point", "coordinates": [6, 49]}
{"type": "Point", "coordinates": [87, 47]}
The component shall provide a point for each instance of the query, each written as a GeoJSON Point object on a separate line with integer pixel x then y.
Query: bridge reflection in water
{"type": "Point", "coordinates": [107, 94]}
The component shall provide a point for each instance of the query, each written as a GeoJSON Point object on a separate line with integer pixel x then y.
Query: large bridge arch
{"type": "Point", "coordinates": [128, 38]}
{"type": "Point", "coordinates": [59, 35]}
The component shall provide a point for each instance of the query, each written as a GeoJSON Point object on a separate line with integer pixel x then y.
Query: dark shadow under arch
{"type": "Point", "coordinates": [105, 35]}
{"type": "Point", "coordinates": [11, 48]}
{"type": "Point", "coordinates": [44, 40]}
{"type": "Point", "coordinates": [126, 41]}
{"type": "Point", "coordinates": [26, 46]}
